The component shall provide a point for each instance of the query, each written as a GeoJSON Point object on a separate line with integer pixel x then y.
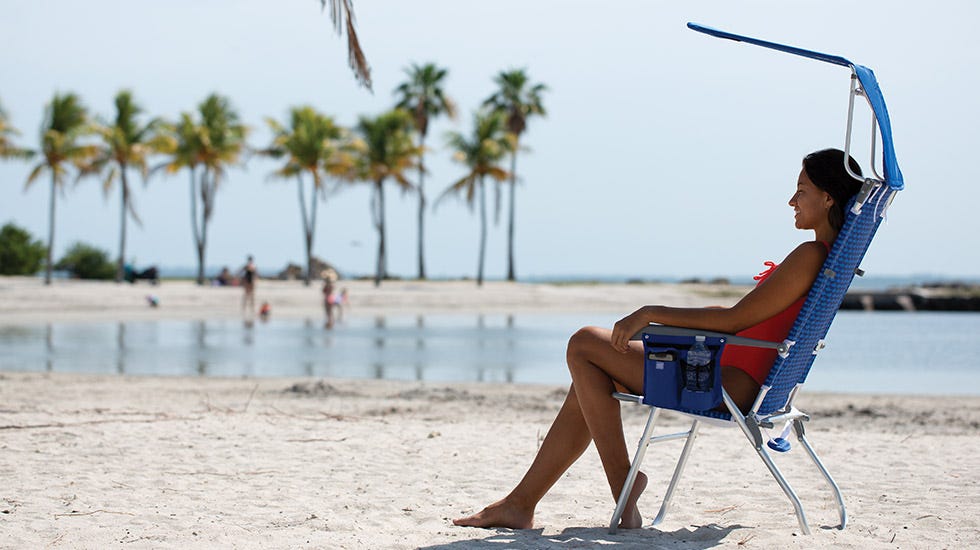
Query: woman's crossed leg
{"type": "Point", "coordinates": [588, 414]}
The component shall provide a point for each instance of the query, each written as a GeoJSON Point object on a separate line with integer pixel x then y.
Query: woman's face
{"type": "Point", "coordinates": [810, 203]}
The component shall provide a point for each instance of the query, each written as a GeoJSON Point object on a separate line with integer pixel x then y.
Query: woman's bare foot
{"type": "Point", "coordinates": [499, 514]}
{"type": "Point", "coordinates": [631, 515]}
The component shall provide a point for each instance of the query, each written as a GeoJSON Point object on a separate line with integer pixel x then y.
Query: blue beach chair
{"type": "Point", "coordinates": [667, 348]}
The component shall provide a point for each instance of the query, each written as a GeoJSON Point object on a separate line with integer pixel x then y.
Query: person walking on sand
{"type": "Point", "coordinates": [249, 274]}
{"type": "Point", "coordinates": [602, 361]}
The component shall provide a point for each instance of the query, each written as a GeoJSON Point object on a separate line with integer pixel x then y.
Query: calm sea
{"type": "Point", "coordinates": [877, 352]}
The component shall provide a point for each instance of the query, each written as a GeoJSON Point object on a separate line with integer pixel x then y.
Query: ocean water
{"type": "Point", "coordinates": [868, 352]}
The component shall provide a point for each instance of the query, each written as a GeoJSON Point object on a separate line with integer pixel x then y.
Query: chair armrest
{"type": "Point", "coordinates": [781, 347]}
{"type": "Point", "coordinates": [628, 397]}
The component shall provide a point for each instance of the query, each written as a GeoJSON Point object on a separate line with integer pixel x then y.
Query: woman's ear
{"type": "Point", "coordinates": [828, 200]}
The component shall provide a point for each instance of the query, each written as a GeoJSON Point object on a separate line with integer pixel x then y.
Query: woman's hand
{"type": "Point", "coordinates": [625, 328]}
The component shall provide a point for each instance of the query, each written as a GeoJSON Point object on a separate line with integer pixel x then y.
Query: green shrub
{"type": "Point", "coordinates": [87, 262]}
{"type": "Point", "coordinates": [19, 253]}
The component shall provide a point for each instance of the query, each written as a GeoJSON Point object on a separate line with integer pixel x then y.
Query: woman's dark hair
{"type": "Point", "coordinates": [826, 170]}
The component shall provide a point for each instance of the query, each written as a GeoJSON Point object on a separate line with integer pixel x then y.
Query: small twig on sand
{"type": "Point", "coordinates": [722, 510]}
{"type": "Point", "coordinates": [93, 512]}
{"type": "Point", "coordinates": [324, 416]}
{"type": "Point", "coordinates": [255, 387]}
{"type": "Point", "coordinates": [222, 474]}
{"type": "Point", "coordinates": [229, 410]}
{"type": "Point", "coordinates": [240, 526]}
{"type": "Point", "coordinates": [212, 408]}
{"type": "Point", "coordinates": [89, 422]}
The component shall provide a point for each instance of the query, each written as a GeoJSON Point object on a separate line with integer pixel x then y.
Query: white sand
{"type": "Point", "coordinates": [143, 462]}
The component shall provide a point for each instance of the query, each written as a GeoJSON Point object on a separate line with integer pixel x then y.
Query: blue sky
{"type": "Point", "coordinates": [665, 153]}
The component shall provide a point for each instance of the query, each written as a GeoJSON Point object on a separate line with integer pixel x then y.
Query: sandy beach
{"type": "Point", "coordinates": [97, 461]}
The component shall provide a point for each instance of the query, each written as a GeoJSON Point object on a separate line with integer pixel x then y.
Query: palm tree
{"type": "Point", "coordinates": [184, 149]}
{"type": "Point", "coordinates": [519, 100]}
{"type": "Point", "coordinates": [126, 144]}
{"type": "Point", "coordinates": [213, 144]}
{"type": "Point", "coordinates": [385, 151]}
{"type": "Point", "coordinates": [423, 96]}
{"type": "Point", "coordinates": [65, 123]}
{"type": "Point", "coordinates": [344, 9]}
{"type": "Point", "coordinates": [222, 145]}
{"type": "Point", "coordinates": [482, 155]}
{"type": "Point", "coordinates": [312, 144]}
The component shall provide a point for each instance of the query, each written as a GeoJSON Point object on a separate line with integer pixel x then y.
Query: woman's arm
{"type": "Point", "coordinates": [791, 280]}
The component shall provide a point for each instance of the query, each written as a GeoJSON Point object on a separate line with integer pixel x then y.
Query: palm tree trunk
{"type": "Point", "coordinates": [203, 234]}
{"type": "Point", "coordinates": [382, 269]}
{"type": "Point", "coordinates": [195, 231]}
{"type": "Point", "coordinates": [207, 185]}
{"type": "Point", "coordinates": [421, 209]}
{"type": "Point", "coordinates": [120, 265]}
{"type": "Point", "coordinates": [312, 232]}
{"type": "Point", "coordinates": [483, 232]}
{"type": "Point", "coordinates": [511, 276]}
{"type": "Point", "coordinates": [48, 267]}
{"type": "Point", "coordinates": [307, 234]}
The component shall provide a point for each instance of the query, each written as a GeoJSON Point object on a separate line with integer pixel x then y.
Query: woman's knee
{"type": "Point", "coordinates": [584, 340]}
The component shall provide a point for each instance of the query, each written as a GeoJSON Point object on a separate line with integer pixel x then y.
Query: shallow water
{"type": "Point", "coordinates": [876, 352]}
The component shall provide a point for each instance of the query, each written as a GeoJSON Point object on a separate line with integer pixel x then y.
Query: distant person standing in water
{"type": "Point", "coordinates": [328, 296]}
{"type": "Point", "coordinates": [249, 273]}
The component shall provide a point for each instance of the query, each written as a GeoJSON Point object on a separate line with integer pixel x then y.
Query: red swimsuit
{"type": "Point", "coordinates": [756, 362]}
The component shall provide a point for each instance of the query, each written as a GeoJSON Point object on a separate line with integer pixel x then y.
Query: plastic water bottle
{"type": "Point", "coordinates": [698, 374]}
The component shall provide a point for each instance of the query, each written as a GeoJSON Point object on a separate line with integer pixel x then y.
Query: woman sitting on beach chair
{"type": "Point", "coordinates": [602, 361]}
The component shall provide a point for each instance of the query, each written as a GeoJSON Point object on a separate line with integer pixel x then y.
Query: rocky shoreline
{"type": "Point", "coordinates": [937, 297]}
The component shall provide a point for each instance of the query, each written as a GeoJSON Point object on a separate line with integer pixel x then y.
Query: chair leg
{"type": "Point", "coordinates": [641, 450]}
{"type": "Point", "coordinates": [786, 488]}
{"type": "Point", "coordinates": [678, 470]}
{"type": "Point", "coordinates": [754, 436]}
{"type": "Point", "coordinates": [801, 436]}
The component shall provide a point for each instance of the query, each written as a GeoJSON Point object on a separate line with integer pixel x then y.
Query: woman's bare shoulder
{"type": "Point", "coordinates": [809, 256]}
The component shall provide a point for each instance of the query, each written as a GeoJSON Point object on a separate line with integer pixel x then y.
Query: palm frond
{"type": "Point", "coordinates": [7, 149]}
{"type": "Point", "coordinates": [15, 153]}
{"type": "Point", "coordinates": [497, 173]}
{"type": "Point", "coordinates": [131, 208]}
{"type": "Point", "coordinates": [108, 181]}
{"type": "Point", "coordinates": [342, 16]}
{"type": "Point", "coordinates": [403, 182]}
{"type": "Point", "coordinates": [35, 173]}
{"type": "Point", "coordinates": [464, 186]}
